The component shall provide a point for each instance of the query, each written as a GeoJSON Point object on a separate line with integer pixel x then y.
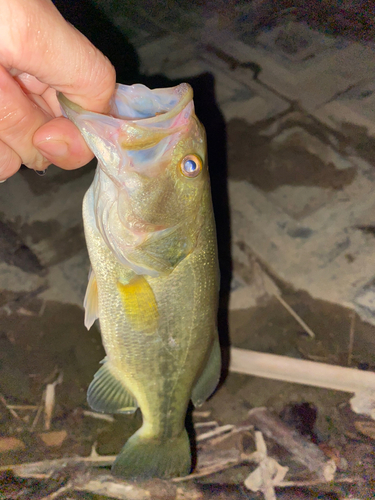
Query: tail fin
{"type": "Point", "coordinates": [144, 457]}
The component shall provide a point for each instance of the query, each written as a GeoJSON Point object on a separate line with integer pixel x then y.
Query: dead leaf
{"type": "Point", "coordinates": [10, 444]}
{"type": "Point", "coordinates": [53, 438]}
{"type": "Point", "coordinates": [268, 474]}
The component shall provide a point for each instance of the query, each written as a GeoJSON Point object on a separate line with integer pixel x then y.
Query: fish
{"type": "Point", "coordinates": [154, 279]}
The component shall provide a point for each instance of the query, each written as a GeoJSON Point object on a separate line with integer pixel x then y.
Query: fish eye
{"type": "Point", "coordinates": [191, 166]}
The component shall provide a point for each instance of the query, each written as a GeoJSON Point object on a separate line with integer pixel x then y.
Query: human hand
{"type": "Point", "coordinates": [40, 53]}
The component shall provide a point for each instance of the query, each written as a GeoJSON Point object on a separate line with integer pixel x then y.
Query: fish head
{"type": "Point", "coordinates": [152, 174]}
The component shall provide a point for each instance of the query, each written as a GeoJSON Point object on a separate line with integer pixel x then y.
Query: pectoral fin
{"type": "Point", "coordinates": [108, 394]}
{"type": "Point", "coordinates": [210, 376]}
{"type": "Point", "coordinates": [140, 304]}
{"type": "Point", "coordinates": [90, 302]}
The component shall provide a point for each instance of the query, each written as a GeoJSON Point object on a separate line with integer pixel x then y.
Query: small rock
{"type": "Point", "coordinates": [10, 444]}
{"type": "Point", "coordinates": [53, 438]}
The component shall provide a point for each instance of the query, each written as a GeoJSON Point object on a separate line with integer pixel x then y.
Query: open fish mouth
{"type": "Point", "coordinates": [136, 105]}
{"type": "Point", "coordinates": [138, 102]}
{"type": "Point", "coordinates": [135, 134]}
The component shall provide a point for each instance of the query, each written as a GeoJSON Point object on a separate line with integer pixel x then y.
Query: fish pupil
{"type": "Point", "coordinates": [190, 166]}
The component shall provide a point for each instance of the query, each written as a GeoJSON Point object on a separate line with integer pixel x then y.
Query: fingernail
{"type": "Point", "coordinates": [3, 181]}
{"type": "Point", "coordinates": [53, 149]}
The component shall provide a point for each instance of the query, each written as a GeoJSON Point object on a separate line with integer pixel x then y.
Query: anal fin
{"type": "Point", "coordinates": [210, 376]}
{"type": "Point", "coordinates": [108, 394]}
{"type": "Point", "coordinates": [90, 302]}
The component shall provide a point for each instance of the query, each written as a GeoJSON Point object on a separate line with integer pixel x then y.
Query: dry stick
{"type": "Point", "coordinates": [295, 316]}
{"type": "Point", "coordinates": [22, 407]}
{"type": "Point", "coordinates": [216, 432]}
{"type": "Point", "coordinates": [200, 425]}
{"type": "Point", "coordinates": [49, 402]}
{"type": "Point", "coordinates": [270, 290]}
{"type": "Point", "coordinates": [99, 416]}
{"type": "Point", "coordinates": [56, 494]}
{"type": "Point", "coordinates": [236, 430]}
{"type": "Point", "coordinates": [201, 414]}
{"type": "Point", "coordinates": [38, 413]}
{"type": "Point", "coordinates": [301, 371]}
{"type": "Point", "coordinates": [208, 471]}
{"type": "Point", "coordinates": [303, 450]}
{"type": "Point", "coordinates": [9, 408]}
{"type": "Point", "coordinates": [121, 490]}
{"type": "Point", "coordinates": [351, 338]}
{"type": "Point", "coordinates": [45, 468]}
{"type": "Point", "coordinates": [317, 482]}
{"type": "Point", "coordinates": [89, 480]}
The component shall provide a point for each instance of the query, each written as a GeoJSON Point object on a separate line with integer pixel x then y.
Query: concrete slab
{"type": "Point", "coordinates": [237, 95]}
{"type": "Point", "coordinates": [324, 253]}
{"type": "Point", "coordinates": [310, 79]}
{"type": "Point", "coordinates": [355, 107]}
{"type": "Point", "coordinates": [45, 213]}
{"type": "Point", "coordinates": [158, 56]}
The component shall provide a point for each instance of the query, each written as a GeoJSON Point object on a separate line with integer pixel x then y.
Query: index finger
{"type": "Point", "coordinates": [36, 39]}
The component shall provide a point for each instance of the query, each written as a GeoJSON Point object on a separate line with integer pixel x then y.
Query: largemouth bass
{"type": "Point", "coordinates": [150, 234]}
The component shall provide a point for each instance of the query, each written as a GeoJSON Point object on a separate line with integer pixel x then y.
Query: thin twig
{"type": "Point", "coordinates": [11, 411]}
{"type": "Point", "coordinates": [42, 308]}
{"type": "Point", "coordinates": [49, 401]}
{"type": "Point", "coordinates": [57, 493]}
{"type": "Point", "coordinates": [211, 469]}
{"type": "Point", "coordinates": [215, 432]}
{"type": "Point", "coordinates": [22, 407]}
{"type": "Point", "coordinates": [317, 482]}
{"type": "Point", "coordinates": [351, 338]}
{"type": "Point", "coordinates": [295, 316]}
{"type": "Point", "coordinates": [38, 413]}
{"type": "Point", "coordinates": [201, 414]}
{"type": "Point", "coordinates": [212, 423]}
{"type": "Point", "coordinates": [99, 416]}
{"type": "Point", "coordinates": [43, 468]}
{"type": "Point", "coordinates": [271, 291]}
{"type": "Point", "coordinates": [236, 430]}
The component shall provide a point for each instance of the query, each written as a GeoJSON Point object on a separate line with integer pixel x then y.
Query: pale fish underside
{"type": "Point", "coordinates": [151, 239]}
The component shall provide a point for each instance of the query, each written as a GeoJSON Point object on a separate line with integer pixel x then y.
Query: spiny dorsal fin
{"type": "Point", "coordinates": [90, 302]}
{"type": "Point", "coordinates": [108, 394]}
{"type": "Point", "coordinates": [140, 304]}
